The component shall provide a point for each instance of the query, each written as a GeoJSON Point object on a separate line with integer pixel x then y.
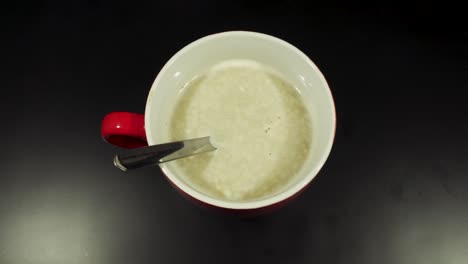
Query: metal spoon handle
{"type": "Point", "coordinates": [145, 156]}
{"type": "Point", "coordinates": [152, 155]}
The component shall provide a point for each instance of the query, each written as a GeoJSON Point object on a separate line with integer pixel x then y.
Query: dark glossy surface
{"type": "Point", "coordinates": [394, 190]}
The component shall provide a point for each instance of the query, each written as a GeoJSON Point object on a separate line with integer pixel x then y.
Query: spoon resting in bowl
{"type": "Point", "coordinates": [130, 159]}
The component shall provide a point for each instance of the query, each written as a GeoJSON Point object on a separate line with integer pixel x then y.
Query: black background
{"type": "Point", "coordinates": [394, 189]}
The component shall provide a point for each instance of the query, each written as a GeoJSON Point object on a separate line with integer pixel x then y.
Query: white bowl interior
{"type": "Point", "coordinates": [293, 66]}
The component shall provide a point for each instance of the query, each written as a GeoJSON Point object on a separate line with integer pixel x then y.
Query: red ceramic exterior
{"type": "Point", "coordinates": [243, 213]}
{"type": "Point", "coordinates": [127, 130]}
{"type": "Point", "coordinates": [124, 129]}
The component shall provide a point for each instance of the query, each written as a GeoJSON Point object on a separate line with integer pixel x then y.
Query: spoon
{"type": "Point", "coordinates": [152, 155]}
